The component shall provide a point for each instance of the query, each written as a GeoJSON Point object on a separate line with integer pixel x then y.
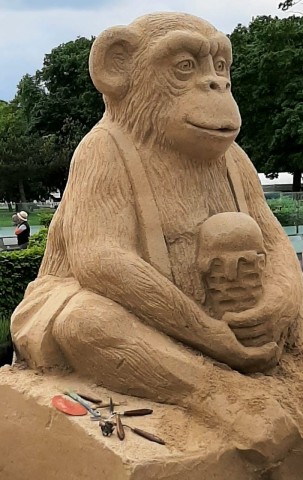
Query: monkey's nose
{"type": "Point", "coordinates": [216, 83]}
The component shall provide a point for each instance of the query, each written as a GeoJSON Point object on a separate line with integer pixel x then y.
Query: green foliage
{"type": "Point", "coordinates": [24, 156]}
{"type": "Point", "coordinates": [61, 102]}
{"type": "Point", "coordinates": [39, 239]}
{"type": "Point", "coordinates": [288, 211]}
{"type": "Point", "coordinates": [45, 219]}
{"type": "Point", "coordinates": [6, 218]}
{"type": "Point", "coordinates": [267, 84]}
{"type": "Point", "coordinates": [4, 329]}
{"type": "Point", "coordinates": [287, 4]}
{"type": "Point", "coordinates": [284, 210]}
{"type": "Point", "coordinates": [41, 127]}
{"type": "Point", "coordinates": [17, 270]}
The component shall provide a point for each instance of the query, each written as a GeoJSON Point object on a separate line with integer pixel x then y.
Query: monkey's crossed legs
{"type": "Point", "coordinates": [131, 358]}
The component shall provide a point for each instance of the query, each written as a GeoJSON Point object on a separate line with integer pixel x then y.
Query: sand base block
{"type": "Point", "coordinates": [37, 442]}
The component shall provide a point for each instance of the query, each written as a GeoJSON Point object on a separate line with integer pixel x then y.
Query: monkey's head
{"type": "Point", "coordinates": [166, 79]}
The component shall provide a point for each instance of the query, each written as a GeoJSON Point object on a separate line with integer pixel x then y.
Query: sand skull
{"type": "Point", "coordinates": [231, 260]}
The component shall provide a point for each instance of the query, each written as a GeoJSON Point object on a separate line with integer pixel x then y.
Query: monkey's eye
{"type": "Point", "coordinates": [220, 66]}
{"type": "Point", "coordinates": [186, 66]}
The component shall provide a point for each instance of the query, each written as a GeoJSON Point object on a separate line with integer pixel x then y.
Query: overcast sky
{"type": "Point", "coordinates": [31, 28]}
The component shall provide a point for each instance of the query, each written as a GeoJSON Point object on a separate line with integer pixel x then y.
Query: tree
{"type": "Point", "coordinates": [42, 126]}
{"type": "Point", "coordinates": [24, 157]}
{"type": "Point", "coordinates": [60, 100]}
{"type": "Point", "coordinates": [288, 4]}
{"type": "Point", "coordinates": [267, 84]}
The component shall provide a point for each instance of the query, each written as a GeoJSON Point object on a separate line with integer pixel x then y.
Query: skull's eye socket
{"type": "Point", "coordinates": [186, 66]}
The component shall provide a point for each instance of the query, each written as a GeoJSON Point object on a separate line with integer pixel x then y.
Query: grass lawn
{"type": "Point", "coordinates": [33, 217]}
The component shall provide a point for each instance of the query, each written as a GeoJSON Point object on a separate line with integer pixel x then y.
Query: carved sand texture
{"type": "Point", "coordinates": [36, 438]}
{"type": "Point", "coordinates": [132, 292]}
{"type": "Point", "coordinates": [231, 260]}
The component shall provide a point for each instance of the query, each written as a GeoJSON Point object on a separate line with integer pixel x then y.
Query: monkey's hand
{"type": "Point", "coordinates": [226, 348]}
{"type": "Point", "coordinates": [266, 322]}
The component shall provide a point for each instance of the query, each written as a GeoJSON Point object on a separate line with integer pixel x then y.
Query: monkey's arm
{"type": "Point", "coordinates": [127, 279]}
{"type": "Point", "coordinates": [104, 253]}
{"type": "Point", "coordinates": [283, 278]}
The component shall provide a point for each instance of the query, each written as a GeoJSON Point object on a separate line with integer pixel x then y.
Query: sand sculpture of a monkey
{"type": "Point", "coordinates": [122, 292]}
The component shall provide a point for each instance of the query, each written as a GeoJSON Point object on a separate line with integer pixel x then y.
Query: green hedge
{"type": "Point", "coordinates": [4, 330]}
{"type": "Point", "coordinates": [17, 269]}
{"type": "Point", "coordinates": [39, 239]}
{"type": "Point", "coordinates": [288, 211]}
{"type": "Point", "coordinates": [45, 219]}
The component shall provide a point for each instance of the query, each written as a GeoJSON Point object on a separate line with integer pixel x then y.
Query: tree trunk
{"type": "Point", "coordinates": [296, 186]}
{"type": "Point", "coordinates": [22, 192]}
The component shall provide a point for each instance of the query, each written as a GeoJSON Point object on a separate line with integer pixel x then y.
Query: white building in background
{"type": "Point", "coordinates": [56, 195]}
{"type": "Point", "coordinates": [54, 199]}
{"type": "Point", "coordinates": [283, 183]}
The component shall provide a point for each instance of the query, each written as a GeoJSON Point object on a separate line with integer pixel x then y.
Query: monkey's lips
{"type": "Point", "coordinates": [225, 132]}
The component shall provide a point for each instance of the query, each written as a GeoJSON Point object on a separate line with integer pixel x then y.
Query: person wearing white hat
{"type": "Point", "coordinates": [23, 229]}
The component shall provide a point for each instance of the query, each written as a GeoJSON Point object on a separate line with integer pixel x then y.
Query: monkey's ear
{"type": "Point", "coordinates": [110, 60]}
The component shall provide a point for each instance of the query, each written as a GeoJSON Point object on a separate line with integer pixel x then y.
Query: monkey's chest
{"type": "Point", "coordinates": [181, 219]}
{"type": "Point", "coordinates": [183, 208]}
{"type": "Point", "coordinates": [185, 198]}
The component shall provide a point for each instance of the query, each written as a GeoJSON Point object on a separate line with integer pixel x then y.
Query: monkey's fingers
{"type": "Point", "coordinates": [260, 358]}
{"type": "Point", "coordinates": [255, 342]}
{"type": "Point", "coordinates": [246, 319]}
{"type": "Point", "coordinates": [243, 333]}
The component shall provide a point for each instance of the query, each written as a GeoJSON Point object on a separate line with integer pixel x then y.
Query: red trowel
{"type": "Point", "coordinates": [63, 404]}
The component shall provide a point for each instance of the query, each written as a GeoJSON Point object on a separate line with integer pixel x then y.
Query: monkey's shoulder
{"type": "Point", "coordinates": [249, 178]}
{"type": "Point", "coordinates": [97, 156]}
{"type": "Point", "coordinates": [241, 159]}
{"type": "Point", "coordinates": [97, 144]}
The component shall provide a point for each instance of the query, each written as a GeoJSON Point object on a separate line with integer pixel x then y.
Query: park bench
{"type": "Point", "coordinates": [8, 244]}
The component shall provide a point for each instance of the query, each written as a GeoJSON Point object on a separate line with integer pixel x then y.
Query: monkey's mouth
{"type": "Point", "coordinates": [223, 131]}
